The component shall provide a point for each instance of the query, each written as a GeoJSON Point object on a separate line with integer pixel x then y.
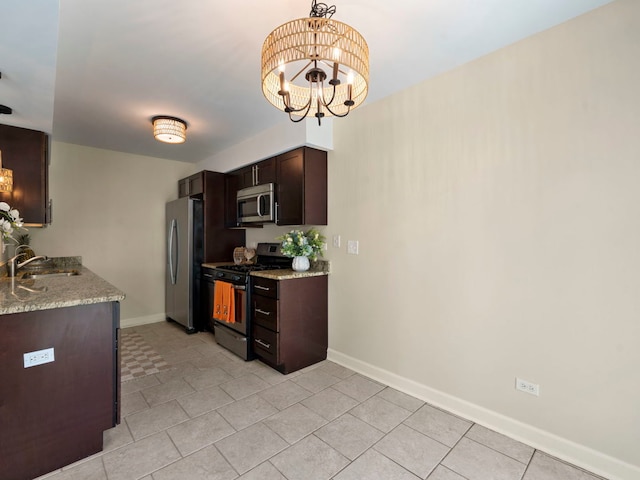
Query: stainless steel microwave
{"type": "Point", "coordinates": [256, 204]}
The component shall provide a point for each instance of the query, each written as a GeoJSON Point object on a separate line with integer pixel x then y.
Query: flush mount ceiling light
{"type": "Point", "coordinates": [6, 178]}
{"type": "Point", "coordinates": [169, 129]}
{"type": "Point", "coordinates": [295, 55]}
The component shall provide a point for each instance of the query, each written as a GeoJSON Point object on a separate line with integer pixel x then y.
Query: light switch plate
{"type": "Point", "coordinates": [352, 247]}
{"type": "Point", "coordinates": [336, 241]}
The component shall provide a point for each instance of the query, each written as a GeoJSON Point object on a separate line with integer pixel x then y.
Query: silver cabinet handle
{"type": "Point", "coordinates": [260, 287]}
{"type": "Point", "coordinates": [260, 342]}
{"type": "Point", "coordinates": [207, 275]}
{"type": "Point", "coordinates": [262, 312]}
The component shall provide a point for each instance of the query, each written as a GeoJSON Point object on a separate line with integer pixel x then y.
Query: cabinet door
{"type": "Point", "coordinates": [290, 197]}
{"type": "Point", "coordinates": [302, 187]}
{"type": "Point", "coordinates": [206, 301]}
{"type": "Point", "coordinates": [26, 153]}
{"type": "Point", "coordinates": [196, 184]}
{"type": "Point", "coordinates": [245, 177]}
{"type": "Point", "coordinates": [191, 186]}
{"type": "Point", "coordinates": [183, 187]}
{"type": "Point", "coordinates": [265, 171]}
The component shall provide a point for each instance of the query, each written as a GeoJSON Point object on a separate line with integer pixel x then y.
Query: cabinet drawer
{"type": "Point", "coordinates": [265, 344]}
{"type": "Point", "coordinates": [265, 312]}
{"type": "Point", "coordinates": [265, 287]}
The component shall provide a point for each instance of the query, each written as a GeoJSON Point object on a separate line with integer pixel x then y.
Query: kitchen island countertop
{"type": "Point", "coordinates": [26, 295]}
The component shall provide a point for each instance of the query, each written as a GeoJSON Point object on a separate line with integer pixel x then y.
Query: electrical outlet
{"type": "Point", "coordinates": [352, 247]}
{"type": "Point", "coordinates": [527, 387]}
{"type": "Point", "coordinates": [39, 357]}
{"type": "Point", "coordinates": [336, 241]}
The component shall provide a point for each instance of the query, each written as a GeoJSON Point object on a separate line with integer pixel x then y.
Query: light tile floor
{"type": "Point", "coordinates": [213, 416]}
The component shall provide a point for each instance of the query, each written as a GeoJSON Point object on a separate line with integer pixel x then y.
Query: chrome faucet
{"type": "Point", "coordinates": [13, 265]}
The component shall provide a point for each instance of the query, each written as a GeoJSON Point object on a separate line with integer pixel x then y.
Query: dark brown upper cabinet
{"type": "Point", "coordinates": [191, 186]}
{"type": "Point", "coordinates": [300, 176]}
{"type": "Point", "coordinates": [26, 152]}
{"type": "Point", "coordinates": [257, 174]}
{"type": "Point", "coordinates": [301, 187]}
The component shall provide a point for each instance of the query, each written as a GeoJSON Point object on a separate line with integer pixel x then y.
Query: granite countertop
{"type": "Point", "coordinates": [318, 268]}
{"type": "Point", "coordinates": [43, 293]}
{"type": "Point", "coordinates": [287, 274]}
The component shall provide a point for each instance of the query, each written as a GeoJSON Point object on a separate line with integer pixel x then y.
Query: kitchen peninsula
{"type": "Point", "coordinates": [59, 366]}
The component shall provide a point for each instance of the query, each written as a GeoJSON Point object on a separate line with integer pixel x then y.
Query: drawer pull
{"type": "Point", "coordinates": [265, 345]}
{"type": "Point", "coordinates": [260, 287]}
{"type": "Point", "coordinates": [263, 312]}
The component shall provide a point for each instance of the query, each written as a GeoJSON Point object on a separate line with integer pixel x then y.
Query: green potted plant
{"type": "Point", "coordinates": [302, 246]}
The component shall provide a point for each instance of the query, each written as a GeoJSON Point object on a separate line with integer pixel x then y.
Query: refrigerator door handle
{"type": "Point", "coordinates": [173, 231]}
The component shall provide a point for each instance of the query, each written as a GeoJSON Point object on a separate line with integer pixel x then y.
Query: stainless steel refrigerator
{"type": "Point", "coordinates": [185, 250]}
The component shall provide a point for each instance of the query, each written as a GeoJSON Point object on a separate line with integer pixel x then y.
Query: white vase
{"type": "Point", "coordinates": [300, 264]}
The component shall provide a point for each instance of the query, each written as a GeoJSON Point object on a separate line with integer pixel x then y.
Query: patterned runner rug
{"type": "Point", "coordinates": [137, 358]}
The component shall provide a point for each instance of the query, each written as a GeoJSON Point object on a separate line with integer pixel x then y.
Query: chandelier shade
{"type": "Point", "coordinates": [6, 178]}
{"type": "Point", "coordinates": [315, 66]}
{"type": "Point", "coordinates": [169, 129]}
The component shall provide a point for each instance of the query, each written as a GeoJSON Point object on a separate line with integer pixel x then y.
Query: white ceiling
{"type": "Point", "coordinates": [94, 72]}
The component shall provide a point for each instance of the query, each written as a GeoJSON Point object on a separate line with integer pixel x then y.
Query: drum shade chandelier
{"type": "Point", "coordinates": [169, 129]}
{"type": "Point", "coordinates": [6, 178]}
{"type": "Point", "coordinates": [294, 59]}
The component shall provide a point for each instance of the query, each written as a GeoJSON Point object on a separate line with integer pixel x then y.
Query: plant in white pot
{"type": "Point", "coordinates": [9, 222]}
{"type": "Point", "coordinates": [302, 246]}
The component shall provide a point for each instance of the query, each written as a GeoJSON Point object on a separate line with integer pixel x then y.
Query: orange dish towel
{"type": "Point", "coordinates": [224, 302]}
{"type": "Point", "coordinates": [217, 301]}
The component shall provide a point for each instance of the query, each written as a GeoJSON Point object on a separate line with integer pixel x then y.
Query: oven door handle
{"type": "Point", "coordinates": [235, 287]}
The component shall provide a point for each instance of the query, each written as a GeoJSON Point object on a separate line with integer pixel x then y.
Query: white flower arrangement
{"type": "Point", "coordinates": [9, 221]}
{"type": "Point", "coordinates": [297, 243]}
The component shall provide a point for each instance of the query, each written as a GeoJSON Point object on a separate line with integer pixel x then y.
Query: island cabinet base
{"type": "Point", "coordinates": [54, 414]}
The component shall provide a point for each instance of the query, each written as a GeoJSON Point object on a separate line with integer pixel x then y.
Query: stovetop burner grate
{"type": "Point", "coordinates": [250, 268]}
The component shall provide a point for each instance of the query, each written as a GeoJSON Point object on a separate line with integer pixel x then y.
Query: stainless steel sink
{"type": "Point", "coordinates": [56, 273]}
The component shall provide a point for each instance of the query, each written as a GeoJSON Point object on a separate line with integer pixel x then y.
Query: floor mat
{"type": "Point", "coordinates": [137, 358]}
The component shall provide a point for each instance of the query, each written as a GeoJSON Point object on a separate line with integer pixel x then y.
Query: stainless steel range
{"type": "Point", "coordinates": [235, 335]}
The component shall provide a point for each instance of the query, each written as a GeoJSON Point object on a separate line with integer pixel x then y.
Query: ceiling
{"type": "Point", "coordinates": [94, 72]}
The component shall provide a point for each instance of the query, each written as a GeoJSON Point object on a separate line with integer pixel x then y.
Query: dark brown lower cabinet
{"type": "Point", "coordinates": [290, 329]}
{"type": "Point", "coordinates": [54, 414]}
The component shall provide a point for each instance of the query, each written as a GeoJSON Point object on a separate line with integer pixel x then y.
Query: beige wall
{"type": "Point", "coordinates": [497, 209]}
{"type": "Point", "coordinates": [109, 208]}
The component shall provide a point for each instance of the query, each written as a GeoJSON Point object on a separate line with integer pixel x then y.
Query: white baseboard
{"type": "Point", "coordinates": [559, 447]}
{"type": "Point", "coordinates": [137, 321]}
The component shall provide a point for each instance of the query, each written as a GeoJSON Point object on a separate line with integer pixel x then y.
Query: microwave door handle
{"type": "Point", "coordinates": [259, 204]}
